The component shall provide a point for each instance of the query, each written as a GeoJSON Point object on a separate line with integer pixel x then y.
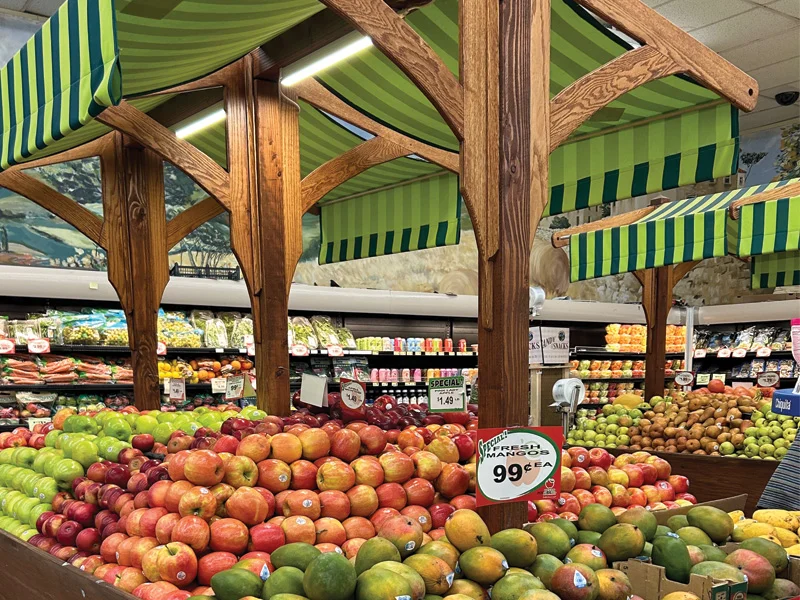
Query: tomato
{"type": "Point", "coordinates": [715, 386]}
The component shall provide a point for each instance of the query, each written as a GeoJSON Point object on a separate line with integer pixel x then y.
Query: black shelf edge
{"type": "Point", "coordinates": [750, 354]}
{"type": "Point", "coordinates": [599, 351]}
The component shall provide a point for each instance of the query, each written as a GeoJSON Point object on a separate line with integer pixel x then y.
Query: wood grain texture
{"type": "Point", "coordinates": [336, 171]}
{"type": "Point", "coordinates": [561, 238]}
{"type": "Point", "coordinates": [503, 359]}
{"type": "Point", "coordinates": [646, 25]}
{"type": "Point", "coordinates": [151, 134]}
{"type": "Point", "coordinates": [656, 302]}
{"type": "Point", "coordinates": [87, 150]}
{"type": "Point", "coordinates": [680, 270]}
{"type": "Point", "coordinates": [573, 105]}
{"type": "Point", "coordinates": [540, 115]}
{"type": "Point", "coordinates": [30, 572]}
{"type": "Point", "coordinates": [292, 186]}
{"type": "Point", "coordinates": [412, 55]}
{"type": "Point", "coordinates": [317, 95]}
{"type": "Point", "coordinates": [57, 203]}
{"type": "Point", "coordinates": [786, 191]}
{"type": "Point", "coordinates": [213, 80]}
{"type": "Point", "coordinates": [184, 223]}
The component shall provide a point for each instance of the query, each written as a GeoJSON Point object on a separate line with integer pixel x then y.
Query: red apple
{"type": "Point", "coordinates": [165, 526]}
{"type": "Point", "coordinates": [199, 502]}
{"type": "Point", "coordinates": [143, 442]}
{"type": "Point", "coordinates": [157, 494]}
{"type": "Point", "coordinates": [204, 468]}
{"type": "Point", "coordinates": [600, 457]}
{"type": "Point", "coordinates": [247, 505]}
{"type": "Point", "coordinates": [177, 564]}
{"type": "Point", "coordinates": [373, 440]}
{"type": "Point", "coordinates": [192, 531]}
{"type": "Point", "coordinates": [439, 514]}
{"type": "Point", "coordinates": [586, 497]}
{"type": "Point", "coordinates": [137, 483]}
{"type": "Point", "coordinates": [580, 456]}
{"type": "Point", "coordinates": [583, 481]}
{"type": "Point", "coordinates": [635, 475]}
{"type": "Point", "coordinates": [419, 491]}
{"type": "Point", "coordinates": [568, 503]}
{"type": "Point", "coordinates": [226, 443]}
{"type": "Point", "coordinates": [266, 537]}
{"type": "Point", "coordinates": [679, 483]}
{"type": "Point", "coordinates": [229, 535]}
{"type": "Point", "coordinates": [118, 475]}
{"type": "Point", "coordinates": [665, 491]}
{"type": "Point", "coordinates": [127, 454]}
{"type": "Point", "coordinates": [213, 563]}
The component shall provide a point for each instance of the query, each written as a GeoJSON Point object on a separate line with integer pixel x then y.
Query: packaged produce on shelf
{"type": "Point", "coordinates": [781, 341]}
{"type": "Point", "coordinates": [54, 369]}
{"type": "Point", "coordinates": [676, 338]}
{"type": "Point", "coordinates": [115, 329]}
{"type": "Point", "coordinates": [325, 331]}
{"type": "Point", "coordinates": [33, 404]}
{"type": "Point", "coordinates": [199, 317]}
{"type": "Point", "coordinates": [50, 327]}
{"type": "Point", "coordinates": [346, 339]}
{"type": "Point", "coordinates": [351, 367]}
{"type": "Point", "coordinates": [229, 318]}
{"type": "Point", "coordinates": [4, 329]}
{"type": "Point", "coordinates": [82, 329]}
{"type": "Point", "coordinates": [608, 369]}
{"type": "Point", "coordinates": [215, 333]}
{"type": "Point", "coordinates": [175, 330]}
{"type": "Point", "coordinates": [304, 333]}
{"type": "Point", "coordinates": [24, 330]}
{"type": "Point", "coordinates": [242, 329]}
{"type": "Point", "coordinates": [626, 338]}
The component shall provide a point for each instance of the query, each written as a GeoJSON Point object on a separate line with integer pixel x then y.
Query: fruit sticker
{"type": "Point", "coordinates": [518, 464]}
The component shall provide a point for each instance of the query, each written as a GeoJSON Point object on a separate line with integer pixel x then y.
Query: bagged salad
{"type": "Point", "coordinates": [325, 330]}
{"type": "Point", "coordinates": [216, 334]}
{"type": "Point", "coordinates": [229, 318]}
{"type": "Point", "coordinates": [346, 338]}
{"type": "Point", "coordinates": [241, 329]}
{"type": "Point", "coordinates": [304, 333]}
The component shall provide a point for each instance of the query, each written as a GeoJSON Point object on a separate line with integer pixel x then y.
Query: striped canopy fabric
{"type": "Point", "coordinates": [63, 77]}
{"type": "Point", "coordinates": [688, 230]}
{"type": "Point", "coordinates": [775, 270]}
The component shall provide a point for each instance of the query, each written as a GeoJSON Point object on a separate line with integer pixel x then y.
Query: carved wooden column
{"type": "Point", "coordinates": [656, 302]}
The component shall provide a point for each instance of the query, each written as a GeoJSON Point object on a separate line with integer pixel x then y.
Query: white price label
{"type": "Point", "coordinates": [234, 388]}
{"type": "Point", "coordinates": [219, 350]}
{"type": "Point", "coordinates": [33, 421]}
{"type": "Point", "coordinates": [700, 353]}
{"type": "Point", "coordinates": [335, 351]}
{"type": "Point", "coordinates": [724, 353]}
{"type": "Point", "coordinates": [250, 345]}
{"type": "Point", "coordinates": [161, 349]}
{"type": "Point", "coordinates": [768, 379]}
{"type": "Point", "coordinates": [684, 378]}
{"type": "Point", "coordinates": [719, 377]}
{"type": "Point", "coordinates": [763, 352]}
{"type": "Point", "coordinates": [7, 346]}
{"type": "Point", "coordinates": [739, 353]}
{"type": "Point", "coordinates": [353, 394]}
{"type": "Point", "coordinates": [219, 385]}
{"type": "Point", "coordinates": [314, 390]}
{"type": "Point", "coordinates": [39, 346]}
{"type": "Point", "coordinates": [177, 389]}
{"type": "Point", "coordinates": [447, 394]}
{"type": "Point", "coordinates": [703, 378]}
{"type": "Point", "coordinates": [299, 350]}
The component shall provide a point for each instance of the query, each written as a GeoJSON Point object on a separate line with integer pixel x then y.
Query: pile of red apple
{"type": "Point", "coordinates": [595, 476]}
{"type": "Point", "coordinates": [216, 499]}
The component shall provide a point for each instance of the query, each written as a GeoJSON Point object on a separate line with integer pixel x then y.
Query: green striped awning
{"type": "Point", "coordinates": [774, 270]}
{"type": "Point", "coordinates": [421, 214]}
{"type": "Point", "coordinates": [688, 230]}
{"type": "Point", "coordinates": [63, 77]}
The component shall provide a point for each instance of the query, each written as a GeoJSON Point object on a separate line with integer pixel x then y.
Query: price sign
{"type": "Point", "coordinates": [739, 353]}
{"type": "Point", "coordinates": [719, 377]}
{"type": "Point", "coordinates": [250, 345]}
{"type": "Point", "coordinates": [234, 387]}
{"type": "Point", "coordinates": [161, 349]}
{"type": "Point", "coordinates": [335, 351]}
{"type": "Point", "coordinates": [518, 464]}
{"type": "Point", "coordinates": [33, 421]}
{"type": "Point", "coordinates": [177, 390]}
{"type": "Point", "coordinates": [447, 394]}
{"type": "Point", "coordinates": [354, 393]}
{"type": "Point", "coordinates": [299, 350]}
{"type": "Point", "coordinates": [39, 346]}
{"type": "Point", "coordinates": [768, 379]}
{"type": "Point", "coordinates": [703, 378]}
{"type": "Point", "coordinates": [684, 378]}
{"type": "Point", "coordinates": [700, 353]}
{"type": "Point", "coordinates": [7, 346]}
{"type": "Point", "coordinates": [763, 352]}
{"type": "Point", "coordinates": [219, 385]}
{"type": "Point", "coordinates": [724, 353]}
{"type": "Point", "coordinates": [314, 390]}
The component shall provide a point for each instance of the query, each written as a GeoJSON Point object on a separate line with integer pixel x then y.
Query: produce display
{"type": "Point", "coordinates": [43, 369]}
{"type": "Point", "coordinates": [607, 369]}
{"type": "Point", "coordinates": [426, 345]}
{"type": "Point", "coordinates": [717, 420]}
{"type": "Point", "coordinates": [750, 338]}
{"type": "Point", "coordinates": [198, 370]}
{"type": "Point", "coordinates": [633, 338]}
{"type": "Point", "coordinates": [600, 392]}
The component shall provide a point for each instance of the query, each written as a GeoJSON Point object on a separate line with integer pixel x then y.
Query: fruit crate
{"type": "Point", "coordinates": [650, 582]}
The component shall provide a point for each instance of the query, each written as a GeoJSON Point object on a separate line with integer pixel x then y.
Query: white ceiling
{"type": "Point", "coordinates": [761, 37]}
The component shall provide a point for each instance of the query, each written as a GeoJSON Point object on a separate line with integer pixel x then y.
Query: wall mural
{"type": "Point", "coordinates": [31, 236]}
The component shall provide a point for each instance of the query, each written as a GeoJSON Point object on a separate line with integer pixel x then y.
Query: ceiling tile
{"type": "Point", "coordinates": [746, 27]}
{"type": "Point", "coordinates": [777, 74]}
{"type": "Point", "coordinates": [762, 118]}
{"type": "Point", "coordinates": [690, 14]}
{"type": "Point", "coordinates": [766, 51]}
{"type": "Point", "coordinates": [787, 7]}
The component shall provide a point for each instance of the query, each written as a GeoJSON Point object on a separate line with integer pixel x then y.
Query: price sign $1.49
{"type": "Point", "coordinates": [447, 394]}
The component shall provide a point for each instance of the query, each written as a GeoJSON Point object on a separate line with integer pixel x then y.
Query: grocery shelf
{"type": "Point", "coordinates": [68, 387]}
{"type": "Point", "coordinates": [600, 351]}
{"type": "Point", "coordinates": [750, 354]}
{"type": "Point", "coordinates": [619, 379]}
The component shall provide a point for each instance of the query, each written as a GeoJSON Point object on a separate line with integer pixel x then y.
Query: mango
{"type": "Point", "coordinates": [373, 551]}
{"type": "Point", "coordinates": [694, 535]}
{"type": "Point", "coordinates": [715, 522]}
{"type": "Point", "coordinates": [773, 552]}
{"type": "Point", "coordinates": [544, 566]}
{"type": "Point", "coordinates": [756, 529]}
{"type": "Point", "coordinates": [736, 515]}
{"type": "Point", "coordinates": [714, 553]}
{"type": "Point", "coordinates": [539, 595]}
{"type": "Point", "coordinates": [613, 584]}
{"type": "Point", "coordinates": [681, 596]}
{"type": "Point", "coordinates": [567, 527]}
{"type": "Point", "coordinates": [575, 582]}
{"type": "Point", "coordinates": [483, 565]}
{"type": "Point", "coordinates": [550, 539]}
{"type": "Point", "coordinates": [696, 555]}
{"type": "Point", "coordinates": [782, 588]}
{"type": "Point", "coordinates": [511, 587]}
{"type": "Point", "coordinates": [444, 550]}
{"type": "Point", "coordinates": [786, 537]}
{"type": "Point", "coordinates": [330, 576]}
{"type": "Point", "coordinates": [621, 542]}
{"type": "Point", "coordinates": [437, 574]}
{"type": "Point", "coordinates": [588, 537]}
{"type": "Point", "coordinates": [596, 517]}
{"type": "Point", "coordinates": [517, 545]}
{"type": "Point", "coordinates": [778, 518]}
{"type": "Point", "coordinates": [760, 573]}
{"type": "Point", "coordinates": [718, 570]}
{"type": "Point", "coordinates": [414, 579]}
{"type": "Point", "coordinates": [676, 522]}
{"type": "Point", "coordinates": [378, 583]}
{"type": "Point", "coordinates": [642, 518]}
{"type": "Point", "coordinates": [465, 529]}
{"type": "Point", "coordinates": [465, 588]}
{"type": "Point", "coordinates": [588, 555]}
{"type": "Point", "coordinates": [672, 554]}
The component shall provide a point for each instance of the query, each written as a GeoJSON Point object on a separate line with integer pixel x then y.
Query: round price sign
{"type": "Point", "coordinates": [684, 378]}
{"type": "Point", "coordinates": [768, 379]}
{"type": "Point", "coordinates": [517, 464]}
{"type": "Point", "coordinates": [353, 394]}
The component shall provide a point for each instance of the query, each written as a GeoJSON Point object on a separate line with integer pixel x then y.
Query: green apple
{"type": "Point", "coordinates": [790, 434]}
{"type": "Point", "coordinates": [145, 424]}
{"type": "Point", "coordinates": [611, 439]}
{"type": "Point", "coordinates": [162, 432]}
{"type": "Point", "coordinates": [775, 432]}
{"type": "Point", "coordinates": [24, 509]}
{"type": "Point", "coordinates": [85, 452]}
{"type": "Point", "coordinates": [623, 440]}
{"type": "Point", "coordinates": [6, 456]}
{"type": "Point", "coordinates": [588, 444]}
{"type": "Point", "coordinates": [752, 450]}
{"type": "Point", "coordinates": [131, 418]}
{"type": "Point", "coordinates": [27, 534]}
{"type": "Point", "coordinates": [51, 463]}
{"type": "Point", "coordinates": [65, 471]}
{"type": "Point", "coordinates": [780, 453]}
{"type": "Point", "coordinates": [7, 504]}
{"type": "Point", "coordinates": [30, 483]}
{"type": "Point", "coordinates": [24, 457]}
{"type": "Point", "coordinates": [589, 436]}
{"type": "Point", "coordinates": [118, 428]}
{"type": "Point", "coordinates": [51, 438]}
{"type": "Point", "coordinates": [166, 417]}
{"type": "Point", "coordinates": [37, 511]}
{"type": "Point", "coordinates": [766, 450]}
{"type": "Point", "coordinates": [749, 440]}
{"type": "Point", "coordinates": [45, 490]}
{"type": "Point", "coordinates": [781, 443]}
{"type": "Point", "coordinates": [79, 424]}
{"type": "Point", "coordinates": [726, 448]}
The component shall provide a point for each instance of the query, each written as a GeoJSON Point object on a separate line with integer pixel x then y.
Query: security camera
{"type": "Point", "coordinates": [787, 98]}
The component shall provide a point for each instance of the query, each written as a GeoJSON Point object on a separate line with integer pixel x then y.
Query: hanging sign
{"type": "Point", "coordinates": [354, 393]}
{"type": "Point", "coordinates": [548, 345]}
{"type": "Point", "coordinates": [518, 464]}
{"type": "Point", "coordinates": [299, 350]}
{"type": "Point", "coordinates": [703, 378]}
{"type": "Point", "coordinates": [447, 394]}
{"type": "Point", "coordinates": [684, 378]}
{"type": "Point", "coordinates": [768, 379]}
{"type": "Point", "coordinates": [234, 387]}
{"type": "Point", "coordinates": [8, 346]}
{"type": "Point", "coordinates": [177, 389]}
{"type": "Point", "coordinates": [39, 346]}
{"type": "Point", "coordinates": [700, 353]}
{"type": "Point", "coordinates": [161, 349]}
{"type": "Point", "coordinates": [219, 385]}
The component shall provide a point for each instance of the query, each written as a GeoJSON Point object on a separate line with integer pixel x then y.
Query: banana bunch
{"type": "Point", "coordinates": [778, 526]}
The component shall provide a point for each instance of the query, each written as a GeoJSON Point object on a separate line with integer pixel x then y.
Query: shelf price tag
{"type": "Point", "coordinates": [739, 353]}
{"type": "Point", "coordinates": [703, 378]}
{"type": "Point", "coordinates": [724, 353]}
{"type": "Point", "coordinates": [354, 393]}
{"type": "Point", "coordinates": [177, 390]}
{"type": "Point", "coordinates": [700, 353]}
{"type": "Point", "coordinates": [234, 387]}
{"type": "Point", "coordinates": [39, 346]}
{"type": "Point", "coordinates": [299, 350]}
{"type": "Point", "coordinates": [161, 349]}
{"type": "Point", "coordinates": [684, 378]}
{"type": "Point", "coordinates": [768, 379]}
{"type": "Point", "coordinates": [518, 464]}
{"type": "Point", "coordinates": [763, 352]}
{"type": "Point", "coordinates": [719, 377]}
{"type": "Point", "coordinates": [8, 346]}
{"type": "Point", "coordinates": [219, 385]}
{"type": "Point", "coordinates": [335, 351]}
{"type": "Point", "coordinates": [447, 394]}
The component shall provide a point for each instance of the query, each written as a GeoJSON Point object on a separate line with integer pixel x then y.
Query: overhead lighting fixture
{"type": "Point", "coordinates": [207, 121]}
{"type": "Point", "coordinates": [312, 66]}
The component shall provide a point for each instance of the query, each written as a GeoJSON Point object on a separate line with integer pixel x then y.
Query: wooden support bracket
{"type": "Point", "coordinates": [406, 49]}
{"type": "Point", "coordinates": [87, 150]}
{"type": "Point", "coordinates": [184, 223]}
{"type": "Point", "coordinates": [561, 238]}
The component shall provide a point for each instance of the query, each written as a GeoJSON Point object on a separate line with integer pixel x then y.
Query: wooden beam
{"type": "Point", "coordinates": [57, 203]}
{"type": "Point", "coordinates": [216, 79]}
{"type": "Point", "coordinates": [681, 270]}
{"type": "Point", "coordinates": [711, 70]}
{"type": "Point", "coordinates": [561, 238]}
{"type": "Point", "coordinates": [541, 133]}
{"type": "Point", "coordinates": [656, 302]}
{"type": "Point", "coordinates": [184, 106]}
{"type": "Point", "coordinates": [185, 222]}
{"type": "Point", "coordinates": [87, 150]}
{"type": "Point", "coordinates": [584, 97]}
{"type": "Point", "coordinates": [779, 193]}
{"type": "Point", "coordinates": [412, 55]}
{"type": "Point", "coordinates": [336, 171]}
{"type": "Point", "coordinates": [151, 134]}
{"type": "Point", "coordinates": [317, 95]}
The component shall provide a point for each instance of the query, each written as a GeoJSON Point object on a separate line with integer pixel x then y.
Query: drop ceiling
{"type": "Point", "coordinates": [761, 37]}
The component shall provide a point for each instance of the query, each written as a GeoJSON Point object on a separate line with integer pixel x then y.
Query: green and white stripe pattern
{"type": "Point", "coordinates": [63, 77]}
{"type": "Point", "coordinates": [688, 230]}
{"type": "Point", "coordinates": [773, 270]}
{"type": "Point", "coordinates": [413, 216]}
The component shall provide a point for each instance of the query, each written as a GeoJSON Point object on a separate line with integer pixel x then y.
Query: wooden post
{"type": "Point", "coordinates": [656, 302]}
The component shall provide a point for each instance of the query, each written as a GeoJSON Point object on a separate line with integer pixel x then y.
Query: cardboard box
{"type": "Point", "coordinates": [726, 504]}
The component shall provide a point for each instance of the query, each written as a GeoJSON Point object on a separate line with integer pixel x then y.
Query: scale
{"type": "Point", "coordinates": [567, 396]}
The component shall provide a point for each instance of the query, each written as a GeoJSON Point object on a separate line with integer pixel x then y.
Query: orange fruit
{"type": "Point", "coordinates": [217, 365]}
{"type": "Point", "coordinates": [236, 365]}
